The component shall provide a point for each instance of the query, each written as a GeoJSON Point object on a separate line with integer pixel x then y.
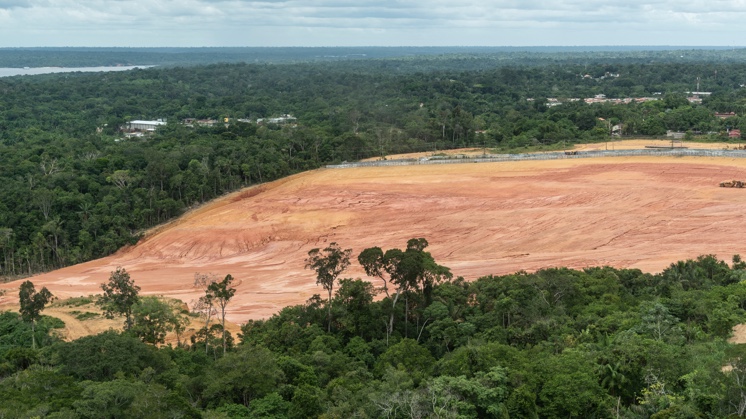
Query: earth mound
{"type": "Point", "coordinates": [480, 219]}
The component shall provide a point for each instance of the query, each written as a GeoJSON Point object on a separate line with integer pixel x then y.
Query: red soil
{"type": "Point", "coordinates": [480, 219]}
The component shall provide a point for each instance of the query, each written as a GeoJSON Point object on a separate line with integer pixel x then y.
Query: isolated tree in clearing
{"type": "Point", "coordinates": [221, 293]}
{"type": "Point", "coordinates": [328, 263]}
{"type": "Point", "coordinates": [120, 295]}
{"type": "Point", "coordinates": [205, 304]}
{"type": "Point", "coordinates": [153, 319]}
{"type": "Point", "coordinates": [32, 303]}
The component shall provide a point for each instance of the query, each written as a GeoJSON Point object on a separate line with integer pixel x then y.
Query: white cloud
{"type": "Point", "coordinates": [367, 22]}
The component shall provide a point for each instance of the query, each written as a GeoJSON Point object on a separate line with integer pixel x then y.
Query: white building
{"type": "Point", "coordinates": [284, 119]}
{"type": "Point", "coordinates": [139, 125]}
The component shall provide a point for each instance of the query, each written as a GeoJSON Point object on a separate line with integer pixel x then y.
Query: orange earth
{"type": "Point", "coordinates": [480, 219]}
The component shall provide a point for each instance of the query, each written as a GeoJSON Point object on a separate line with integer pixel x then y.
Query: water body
{"type": "Point", "coordinates": [8, 72]}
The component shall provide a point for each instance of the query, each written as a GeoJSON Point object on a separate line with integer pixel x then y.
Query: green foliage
{"type": "Point", "coordinates": [75, 189]}
{"type": "Point", "coordinates": [245, 375]}
{"type": "Point", "coordinates": [483, 396]}
{"type": "Point", "coordinates": [85, 315]}
{"type": "Point", "coordinates": [233, 410]}
{"type": "Point", "coordinates": [412, 271]}
{"type": "Point", "coordinates": [76, 301]}
{"type": "Point", "coordinates": [120, 296]}
{"type": "Point", "coordinates": [306, 402]}
{"type": "Point", "coordinates": [15, 339]}
{"type": "Point", "coordinates": [36, 391]}
{"type": "Point", "coordinates": [152, 320]}
{"type": "Point", "coordinates": [130, 399]}
{"type": "Point", "coordinates": [101, 357]}
{"type": "Point", "coordinates": [220, 293]}
{"type": "Point", "coordinates": [572, 388]}
{"type": "Point", "coordinates": [353, 303]}
{"type": "Point", "coordinates": [271, 406]}
{"type": "Point", "coordinates": [600, 342]}
{"type": "Point", "coordinates": [32, 303]}
{"type": "Point", "coordinates": [407, 356]}
{"type": "Point", "coordinates": [328, 263]}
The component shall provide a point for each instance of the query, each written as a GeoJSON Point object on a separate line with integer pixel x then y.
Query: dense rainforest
{"type": "Point", "coordinates": [599, 342]}
{"type": "Point", "coordinates": [73, 187]}
{"type": "Point", "coordinates": [593, 343]}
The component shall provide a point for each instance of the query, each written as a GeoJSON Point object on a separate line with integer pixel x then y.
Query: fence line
{"type": "Point", "coordinates": [494, 158]}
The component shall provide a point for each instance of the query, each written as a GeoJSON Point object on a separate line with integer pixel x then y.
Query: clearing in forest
{"type": "Point", "coordinates": [480, 219]}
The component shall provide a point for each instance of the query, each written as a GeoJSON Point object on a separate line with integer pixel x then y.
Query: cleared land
{"type": "Point", "coordinates": [480, 219]}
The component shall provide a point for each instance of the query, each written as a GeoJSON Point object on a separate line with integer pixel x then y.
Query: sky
{"type": "Point", "coordinates": [200, 23]}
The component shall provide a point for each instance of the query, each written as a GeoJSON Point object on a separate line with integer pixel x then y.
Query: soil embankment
{"type": "Point", "coordinates": [480, 219]}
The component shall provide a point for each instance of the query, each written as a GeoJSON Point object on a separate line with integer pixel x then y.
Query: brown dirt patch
{"type": "Point", "coordinates": [480, 219]}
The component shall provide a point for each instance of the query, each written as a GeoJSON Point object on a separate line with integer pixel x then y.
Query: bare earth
{"type": "Point", "coordinates": [480, 219]}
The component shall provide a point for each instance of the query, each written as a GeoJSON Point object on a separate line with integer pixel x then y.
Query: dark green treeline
{"type": "Point", "coordinates": [593, 343]}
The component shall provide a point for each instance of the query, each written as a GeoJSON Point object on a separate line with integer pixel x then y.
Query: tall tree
{"type": "Point", "coordinates": [152, 320]}
{"type": "Point", "coordinates": [328, 263]}
{"type": "Point", "coordinates": [206, 303]}
{"type": "Point", "coordinates": [120, 295]}
{"type": "Point", "coordinates": [411, 269]}
{"type": "Point", "coordinates": [32, 304]}
{"type": "Point", "coordinates": [221, 293]}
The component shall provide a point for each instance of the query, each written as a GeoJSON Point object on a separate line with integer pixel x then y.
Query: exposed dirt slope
{"type": "Point", "coordinates": [479, 219]}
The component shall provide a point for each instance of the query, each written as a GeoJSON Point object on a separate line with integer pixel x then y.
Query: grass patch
{"type": "Point", "coordinates": [86, 315]}
{"type": "Point", "coordinates": [77, 301]}
{"type": "Point", "coordinates": [51, 322]}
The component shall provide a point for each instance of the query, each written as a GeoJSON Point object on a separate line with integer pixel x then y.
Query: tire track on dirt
{"type": "Point", "coordinates": [74, 328]}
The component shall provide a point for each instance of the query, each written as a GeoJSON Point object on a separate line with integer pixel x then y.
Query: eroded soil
{"type": "Point", "coordinates": [480, 219]}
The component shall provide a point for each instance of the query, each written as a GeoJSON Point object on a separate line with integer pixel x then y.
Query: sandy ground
{"type": "Point", "coordinates": [480, 219]}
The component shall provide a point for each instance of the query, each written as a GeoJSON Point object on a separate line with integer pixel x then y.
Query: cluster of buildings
{"type": "Point", "coordinates": [601, 98]}
{"type": "Point", "coordinates": [605, 76]}
{"type": "Point", "coordinates": [140, 128]}
{"type": "Point", "coordinates": [692, 97]}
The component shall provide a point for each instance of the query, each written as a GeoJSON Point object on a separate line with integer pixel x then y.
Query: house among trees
{"type": "Point", "coordinates": [148, 126]}
{"type": "Point", "coordinates": [282, 119]}
{"type": "Point", "coordinates": [191, 122]}
{"type": "Point", "coordinates": [139, 128]}
{"type": "Point", "coordinates": [734, 133]}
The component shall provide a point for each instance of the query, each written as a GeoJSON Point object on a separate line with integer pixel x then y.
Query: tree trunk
{"type": "Point", "coordinates": [207, 329]}
{"type": "Point", "coordinates": [329, 313]}
{"type": "Point", "coordinates": [223, 324]}
{"type": "Point", "coordinates": [391, 319]}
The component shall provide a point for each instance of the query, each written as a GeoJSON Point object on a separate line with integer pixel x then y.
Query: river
{"type": "Point", "coordinates": [31, 71]}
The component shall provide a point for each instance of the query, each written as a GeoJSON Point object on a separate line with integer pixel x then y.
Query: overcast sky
{"type": "Point", "coordinates": [194, 23]}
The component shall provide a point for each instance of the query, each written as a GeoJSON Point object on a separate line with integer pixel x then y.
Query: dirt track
{"type": "Point", "coordinates": [480, 219]}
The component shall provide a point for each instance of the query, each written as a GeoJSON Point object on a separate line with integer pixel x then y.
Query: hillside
{"type": "Point", "coordinates": [479, 219]}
